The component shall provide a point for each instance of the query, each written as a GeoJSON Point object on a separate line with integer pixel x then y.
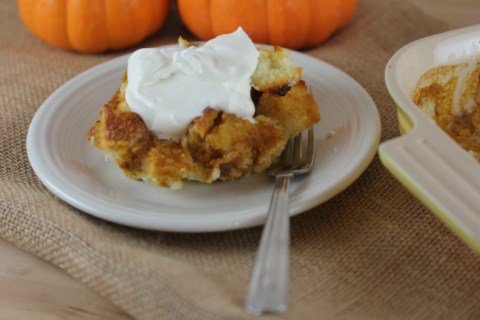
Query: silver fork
{"type": "Point", "coordinates": [269, 284]}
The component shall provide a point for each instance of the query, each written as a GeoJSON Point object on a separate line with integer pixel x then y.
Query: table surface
{"type": "Point", "coordinates": [31, 288]}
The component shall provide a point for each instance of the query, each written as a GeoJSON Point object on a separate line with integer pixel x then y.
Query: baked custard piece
{"type": "Point", "coordinates": [217, 145]}
{"type": "Point", "coordinates": [450, 95]}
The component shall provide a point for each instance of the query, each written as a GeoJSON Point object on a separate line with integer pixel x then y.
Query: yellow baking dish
{"type": "Point", "coordinates": [425, 159]}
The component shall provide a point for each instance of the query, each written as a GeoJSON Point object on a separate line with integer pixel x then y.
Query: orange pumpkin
{"type": "Point", "coordinates": [93, 25]}
{"type": "Point", "coordinates": [288, 23]}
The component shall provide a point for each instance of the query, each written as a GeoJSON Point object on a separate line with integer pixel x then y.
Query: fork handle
{"type": "Point", "coordinates": [268, 289]}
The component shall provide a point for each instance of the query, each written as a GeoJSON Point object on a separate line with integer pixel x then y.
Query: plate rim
{"type": "Point", "coordinates": [152, 222]}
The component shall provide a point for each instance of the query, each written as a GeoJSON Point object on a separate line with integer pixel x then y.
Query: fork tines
{"type": "Point", "coordinates": [298, 155]}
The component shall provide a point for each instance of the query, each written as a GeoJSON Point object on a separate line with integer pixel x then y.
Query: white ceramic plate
{"type": "Point", "coordinates": [77, 173]}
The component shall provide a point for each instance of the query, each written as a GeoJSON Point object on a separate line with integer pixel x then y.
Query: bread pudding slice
{"type": "Point", "coordinates": [217, 145]}
{"type": "Point", "coordinates": [450, 95]}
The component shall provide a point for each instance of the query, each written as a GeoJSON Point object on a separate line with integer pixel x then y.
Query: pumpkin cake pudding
{"type": "Point", "coordinates": [450, 95]}
{"type": "Point", "coordinates": [217, 111]}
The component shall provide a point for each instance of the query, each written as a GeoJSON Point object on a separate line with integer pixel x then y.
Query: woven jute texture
{"type": "Point", "coordinates": [372, 252]}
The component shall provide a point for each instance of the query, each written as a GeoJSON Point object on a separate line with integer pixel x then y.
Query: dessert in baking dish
{"type": "Point", "coordinates": [217, 111]}
{"type": "Point", "coordinates": [450, 95]}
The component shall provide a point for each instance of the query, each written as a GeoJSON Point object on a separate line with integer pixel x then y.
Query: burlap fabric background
{"type": "Point", "coordinates": [373, 252]}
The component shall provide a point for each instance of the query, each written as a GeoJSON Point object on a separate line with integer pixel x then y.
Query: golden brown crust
{"type": "Point", "coordinates": [233, 145]}
{"type": "Point", "coordinates": [124, 133]}
{"type": "Point", "coordinates": [294, 112]}
{"type": "Point", "coordinates": [127, 141]}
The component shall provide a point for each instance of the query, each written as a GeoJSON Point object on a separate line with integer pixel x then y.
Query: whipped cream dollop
{"type": "Point", "coordinates": [169, 87]}
{"type": "Point", "coordinates": [464, 94]}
